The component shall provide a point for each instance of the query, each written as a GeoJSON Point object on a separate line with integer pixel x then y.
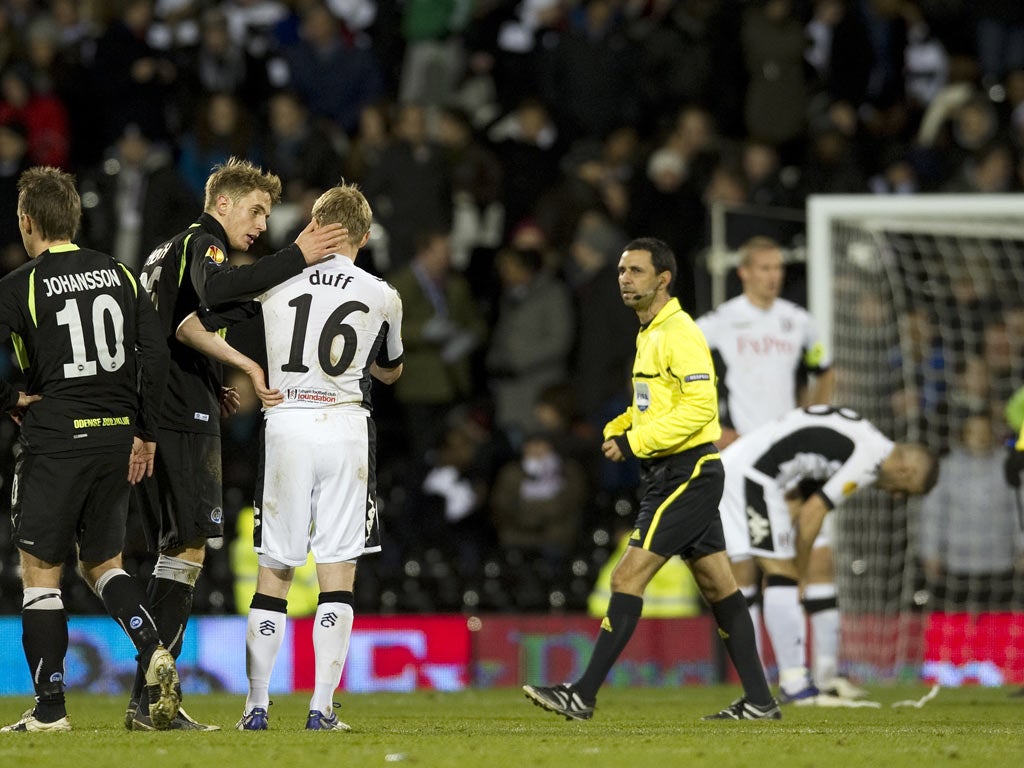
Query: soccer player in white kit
{"type": "Point", "coordinates": [765, 349]}
{"type": "Point", "coordinates": [782, 479]}
{"type": "Point", "coordinates": [328, 330]}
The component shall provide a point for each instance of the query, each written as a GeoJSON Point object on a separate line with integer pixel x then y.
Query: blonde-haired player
{"type": "Point", "coordinates": [327, 330]}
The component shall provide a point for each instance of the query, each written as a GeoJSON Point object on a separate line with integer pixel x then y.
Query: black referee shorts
{"type": "Point", "coordinates": [679, 498]}
{"type": "Point", "coordinates": [182, 503]}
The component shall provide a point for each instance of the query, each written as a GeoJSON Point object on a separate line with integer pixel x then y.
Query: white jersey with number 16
{"type": "Point", "coordinates": [324, 328]}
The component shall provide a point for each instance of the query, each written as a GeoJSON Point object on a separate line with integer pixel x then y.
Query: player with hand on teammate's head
{"type": "Point", "coordinates": [328, 330]}
{"type": "Point", "coordinates": [182, 503]}
{"type": "Point", "coordinates": [95, 368]}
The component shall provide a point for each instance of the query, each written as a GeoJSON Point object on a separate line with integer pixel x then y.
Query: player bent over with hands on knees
{"type": "Point", "coordinates": [781, 481]}
{"type": "Point", "coordinates": [328, 330]}
{"type": "Point", "coordinates": [95, 363]}
{"type": "Point", "coordinates": [670, 427]}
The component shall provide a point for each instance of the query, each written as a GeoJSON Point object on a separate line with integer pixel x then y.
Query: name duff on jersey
{"type": "Point", "coordinates": [81, 281]}
{"type": "Point", "coordinates": [339, 281]}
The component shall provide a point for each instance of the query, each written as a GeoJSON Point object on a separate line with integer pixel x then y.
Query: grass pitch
{"type": "Point", "coordinates": [632, 728]}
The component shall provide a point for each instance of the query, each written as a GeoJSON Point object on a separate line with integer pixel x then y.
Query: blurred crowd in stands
{"type": "Point", "coordinates": [509, 149]}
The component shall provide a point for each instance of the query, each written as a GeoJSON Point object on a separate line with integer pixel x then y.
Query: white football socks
{"type": "Point", "coordinates": [332, 630]}
{"type": "Point", "coordinates": [787, 628]}
{"type": "Point", "coordinates": [263, 640]}
{"type": "Point", "coordinates": [825, 629]}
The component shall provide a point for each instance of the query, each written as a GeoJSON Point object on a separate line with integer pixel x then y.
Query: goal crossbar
{"type": "Point", "coordinates": [981, 215]}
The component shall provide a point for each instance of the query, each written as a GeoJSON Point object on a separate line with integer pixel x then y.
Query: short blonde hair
{"type": "Point", "coordinates": [757, 244]}
{"type": "Point", "coordinates": [237, 178]}
{"type": "Point", "coordinates": [345, 204]}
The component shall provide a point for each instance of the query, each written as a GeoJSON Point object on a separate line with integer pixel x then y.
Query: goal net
{"type": "Point", "coordinates": [923, 299]}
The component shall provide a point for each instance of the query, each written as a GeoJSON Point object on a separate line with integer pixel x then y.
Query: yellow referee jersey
{"type": "Point", "coordinates": [675, 400]}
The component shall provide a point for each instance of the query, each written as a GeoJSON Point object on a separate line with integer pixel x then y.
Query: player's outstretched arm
{"type": "Point", "coordinates": [212, 344]}
{"type": "Point", "coordinates": [216, 283]}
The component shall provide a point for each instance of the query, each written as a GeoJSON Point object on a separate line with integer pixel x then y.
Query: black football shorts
{"type": "Point", "coordinates": [58, 500]}
{"type": "Point", "coordinates": [679, 498]}
{"type": "Point", "coordinates": [182, 503]}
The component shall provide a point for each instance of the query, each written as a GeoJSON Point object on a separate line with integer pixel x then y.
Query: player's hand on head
{"type": "Point", "coordinates": [141, 460]}
{"type": "Point", "coordinates": [317, 241]}
{"type": "Point", "coordinates": [1013, 466]}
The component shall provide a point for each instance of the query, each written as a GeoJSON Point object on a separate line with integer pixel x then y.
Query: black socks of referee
{"type": "Point", "coordinates": [737, 632]}
{"type": "Point", "coordinates": [616, 628]}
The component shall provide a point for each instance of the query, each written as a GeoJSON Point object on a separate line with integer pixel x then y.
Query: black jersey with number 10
{"type": "Point", "coordinates": [82, 328]}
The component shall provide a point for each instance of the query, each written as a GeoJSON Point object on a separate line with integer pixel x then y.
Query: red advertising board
{"type": "Point", "coordinates": [986, 649]}
{"type": "Point", "coordinates": [395, 653]}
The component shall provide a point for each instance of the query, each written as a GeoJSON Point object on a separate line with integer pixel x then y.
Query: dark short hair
{"type": "Point", "coordinates": [662, 257]}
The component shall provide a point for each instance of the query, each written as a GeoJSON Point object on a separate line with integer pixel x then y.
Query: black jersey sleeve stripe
{"type": "Point", "coordinates": [181, 256]}
{"type": "Point", "coordinates": [20, 351]}
{"type": "Point", "coordinates": [32, 297]}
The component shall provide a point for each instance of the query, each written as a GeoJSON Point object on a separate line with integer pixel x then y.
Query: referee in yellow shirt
{"type": "Point", "coordinates": [670, 427]}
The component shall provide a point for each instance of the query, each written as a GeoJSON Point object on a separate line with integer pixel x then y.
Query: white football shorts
{"type": "Point", "coordinates": [734, 519]}
{"type": "Point", "coordinates": [757, 520]}
{"type": "Point", "coordinates": [315, 494]}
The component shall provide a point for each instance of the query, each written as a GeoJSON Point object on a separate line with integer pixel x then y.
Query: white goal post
{"type": "Point", "coordinates": [918, 210]}
{"type": "Point", "coordinates": [921, 300]}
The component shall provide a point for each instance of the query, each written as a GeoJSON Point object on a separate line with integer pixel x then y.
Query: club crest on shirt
{"type": "Point", "coordinates": [643, 395]}
{"type": "Point", "coordinates": [215, 254]}
{"type": "Point", "coordinates": [849, 488]}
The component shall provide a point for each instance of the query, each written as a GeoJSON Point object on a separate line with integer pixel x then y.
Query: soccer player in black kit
{"type": "Point", "coordinates": [95, 364]}
{"type": "Point", "coordinates": [182, 503]}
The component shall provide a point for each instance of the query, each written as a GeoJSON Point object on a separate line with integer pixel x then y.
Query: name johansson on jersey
{"type": "Point", "coordinates": [81, 281]}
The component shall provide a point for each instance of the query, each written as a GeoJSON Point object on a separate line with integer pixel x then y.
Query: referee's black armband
{"type": "Point", "coordinates": [623, 443]}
